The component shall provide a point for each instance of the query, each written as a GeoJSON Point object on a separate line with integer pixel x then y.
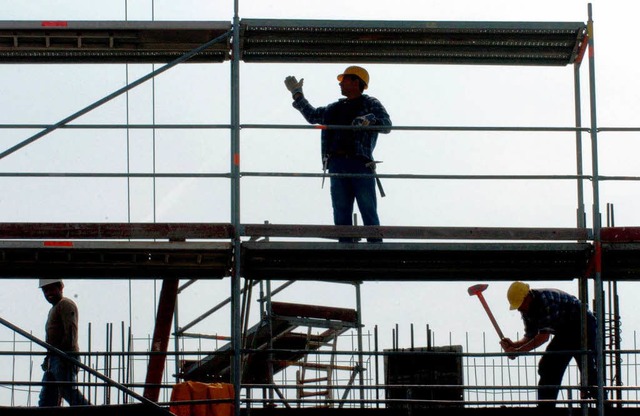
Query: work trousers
{"type": "Point", "coordinates": [553, 364]}
{"type": "Point", "coordinates": [345, 191]}
{"type": "Point", "coordinates": [51, 394]}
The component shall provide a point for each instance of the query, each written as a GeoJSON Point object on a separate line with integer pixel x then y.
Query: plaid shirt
{"type": "Point", "coordinates": [551, 311]}
{"type": "Point", "coordinates": [365, 140]}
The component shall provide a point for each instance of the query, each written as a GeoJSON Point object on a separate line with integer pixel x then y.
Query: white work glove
{"type": "Point", "coordinates": [294, 85]}
{"type": "Point", "coordinates": [364, 120]}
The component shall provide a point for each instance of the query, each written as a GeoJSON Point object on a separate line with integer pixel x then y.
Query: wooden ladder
{"type": "Point", "coordinates": [318, 387]}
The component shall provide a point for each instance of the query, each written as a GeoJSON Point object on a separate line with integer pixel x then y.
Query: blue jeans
{"type": "Point", "coordinates": [51, 395]}
{"type": "Point", "coordinates": [346, 191]}
{"type": "Point", "coordinates": [552, 366]}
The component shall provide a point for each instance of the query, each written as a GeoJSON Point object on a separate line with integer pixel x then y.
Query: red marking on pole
{"type": "Point", "coordinates": [583, 48]}
{"type": "Point", "coordinates": [58, 244]}
{"type": "Point", "coordinates": [321, 127]}
{"type": "Point", "coordinates": [597, 257]}
{"type": "Point", "coordinates": [54, 23]}
{"type": "Point", "coordinates": [236, 159]}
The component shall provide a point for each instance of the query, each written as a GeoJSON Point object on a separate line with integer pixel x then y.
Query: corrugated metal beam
{"type": "Point", "coordinates": [115, 259]}
{"type": "Point", "coordinates": [109, 41]}
{"type": "Point", "coordinates": [501, 43]}
{"type": "Point", "coordinates": [414, 261]}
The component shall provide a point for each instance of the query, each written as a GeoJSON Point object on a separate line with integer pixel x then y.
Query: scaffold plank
{"type": "Point", "coordinates": [620, 234]}
{"type": "Point", "coordinates": [414, 261]}
{"type": "Point", "coordinates": [314, 311]}
{"type": "Point", "coordinates": [421, 233]}
{"type": "Point", "coordinates": [99, 231]}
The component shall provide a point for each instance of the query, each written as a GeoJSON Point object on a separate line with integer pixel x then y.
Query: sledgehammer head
{"type": "Point", "coordinates": [475, 289]}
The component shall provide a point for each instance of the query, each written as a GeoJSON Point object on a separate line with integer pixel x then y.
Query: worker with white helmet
{"type": "Point", "coordinates": [548, 312]}
{"type": "Point", "coordinates": [348, 151]}
{"type": "Point", "coordinates": [62, 333]}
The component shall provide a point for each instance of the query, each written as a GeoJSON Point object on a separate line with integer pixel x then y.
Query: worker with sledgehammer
{"type": "Point", "coordinates": [348, 151]}
{"type": "Point", "coordinates": [548, 312]}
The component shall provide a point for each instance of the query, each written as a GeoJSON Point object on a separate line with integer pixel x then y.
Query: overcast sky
{"type": "Point", "coordinates": [414, 95]}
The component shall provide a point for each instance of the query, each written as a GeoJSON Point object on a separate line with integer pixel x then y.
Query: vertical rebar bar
{"type": "Point", "coordinates": [377, 358]}
{"type": "Point", "coordinates": [30, 373]}
{"type": "Point", "coordinates": [95, 365]}
{"type": "Point", "coordinates": [130, 360]}
{"type": "Point", "coordinates": [465, 365]}
{"type": "Point", "coordinates": [359, 334]}
{"type": "Point", "coordinates": [397, 340]}
{"type": "Point", "coordinates": [176, 341]}
{"type": "Point", "coordinates": [484, 361]}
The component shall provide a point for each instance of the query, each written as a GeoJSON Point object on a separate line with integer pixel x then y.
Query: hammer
{"type": "Point", "coordinates": [477, 290]}
{"type": "Point", "coordinates": [372, 165]}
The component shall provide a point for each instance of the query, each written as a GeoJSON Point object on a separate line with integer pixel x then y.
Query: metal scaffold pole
{"type": "Point", "coordinates": [580, 213]}
{"type": "Point", "coordinates": [235, 210]}
{"type": "Point", "coordinates": [598, 290]}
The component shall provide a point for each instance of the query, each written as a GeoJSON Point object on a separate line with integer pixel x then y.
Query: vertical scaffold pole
{"type": "Point", "coordinates": [580, 214]}
{"type": "Point", "coordinates": [235, 209]}
{"type": "Point", "coordinates": [596, 219]}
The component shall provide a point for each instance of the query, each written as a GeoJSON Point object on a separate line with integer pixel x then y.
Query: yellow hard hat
{"type": "Point", "coordinates": [357, 71]}
{"type": "Point", "coordinates": [516, 294]}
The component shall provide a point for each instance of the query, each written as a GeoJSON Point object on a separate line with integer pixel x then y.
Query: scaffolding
{"type": "Point", "coordinates": [244, 251]}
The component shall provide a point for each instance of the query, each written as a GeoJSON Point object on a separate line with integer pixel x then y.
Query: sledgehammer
{"type": "Point", "coordinates": [477, 290]}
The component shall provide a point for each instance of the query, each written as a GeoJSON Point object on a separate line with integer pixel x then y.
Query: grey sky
{"type": "Point", "coordinates": [414, 95]}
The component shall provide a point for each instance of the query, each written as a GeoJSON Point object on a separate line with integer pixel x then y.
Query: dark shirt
{"type": "Point", "coordinates": [362, 142]}
{"type": "Point", "coordinates": [551, 311]}
{"type": "Point", "coordinates": [342, 141]}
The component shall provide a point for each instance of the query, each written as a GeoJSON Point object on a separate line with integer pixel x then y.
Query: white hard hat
{"type": "Point", "coordinates": [44, 282]}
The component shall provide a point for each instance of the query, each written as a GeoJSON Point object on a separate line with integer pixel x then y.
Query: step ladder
{"type": "Point", "coordinates": [318, 387]}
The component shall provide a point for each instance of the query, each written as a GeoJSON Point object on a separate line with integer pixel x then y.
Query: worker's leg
{"type": "Point", "coordinates": [592, 369]}
{"type": "Point", "coordinates": [365, 190]}
{"type": "Point", "coordinates": [342, 195]}
{"type": "Point", "coordinates": [365, 194]}
{"type": "Point", "coordinates": [49, 394]}
{"type": "Point", "coordinates": [551, 370]}
{"type": "Point", "coordinates": [64, 371]}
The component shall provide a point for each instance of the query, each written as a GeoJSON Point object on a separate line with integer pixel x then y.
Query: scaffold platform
{"type": "Point", "coordinates": [172, 250]}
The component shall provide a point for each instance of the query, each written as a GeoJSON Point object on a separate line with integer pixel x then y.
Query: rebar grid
{"type": "Point", "coordinates": [490, 378]}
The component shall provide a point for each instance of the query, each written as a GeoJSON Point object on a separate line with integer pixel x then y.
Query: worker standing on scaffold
{"type": "Point", "coordinates": [347, 151]}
